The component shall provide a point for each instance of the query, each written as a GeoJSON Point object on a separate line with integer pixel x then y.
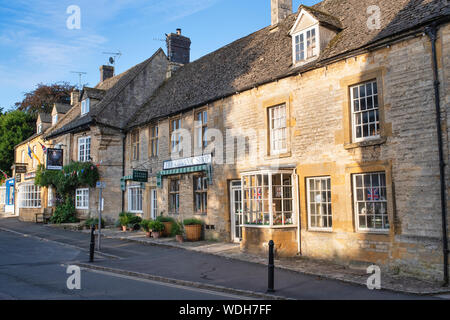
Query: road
{"type": "Point", "coordinates": [33, 269]}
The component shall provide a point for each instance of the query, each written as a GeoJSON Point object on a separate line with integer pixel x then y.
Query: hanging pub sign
{"type": "Point", "coordinates": [187, 162]}
{"type": "Point", "coordinates": [20, 168]}
{"type": "Point", "coordinates": [55, 159]}
{"type": "Point", "coordinates": [140, 176]}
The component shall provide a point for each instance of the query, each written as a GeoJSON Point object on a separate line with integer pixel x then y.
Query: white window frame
{"type": "Point", "coordinates": [29, 196]}
{"type": "Point", "coordinates": [84, 149]}
{"type": "Point", "coordinates": [381, 200]}
{"type": "Point", "coordinates": [328, 214]}
{"type": "Point", "coordinates": [153, 203]}
{"type": "Point", "coordinates": [50, 197]}
{"type": "Point", "coordinates": [154, 140]}
{"type": "Point", "coordinates": [201, 128]}
{"type": "Point", "coordinates": [276, 131]}
{"type": "Point", "coordinates": [85, 106]}
{"type": "Point", "coordinates": [82, 198]}
{"type": "Point", "coordinates": [135, 205]}
{"type": "Point", "coordinates": [316, 50]}
{"type": "Point", "coordinates": [375, 97]}
{"type": "Point", "coordinates": [54, 119]}
{"type": "Point", "coordinates": [39, 128]}
{"type": "Point", "coordinates": [175, 135]}
{"type": "Point", "coordinates": [259, 199]}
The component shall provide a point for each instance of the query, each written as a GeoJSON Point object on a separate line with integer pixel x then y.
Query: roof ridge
{"type": "Point", "coordinates": [139, 67]}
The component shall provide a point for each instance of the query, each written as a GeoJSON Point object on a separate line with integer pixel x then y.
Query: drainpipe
{"type": "Point", "coordinates": [431, 31]}
{"type": "Point", "coordinates": [297, 205]}
{"type": "Point", "coordinates": [123, 167]}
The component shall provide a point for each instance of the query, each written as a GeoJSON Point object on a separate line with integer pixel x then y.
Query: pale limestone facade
{"type": "Point", "coordinates": [320, 144]}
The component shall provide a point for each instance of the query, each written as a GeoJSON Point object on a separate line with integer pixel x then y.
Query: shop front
{"type": "Point", "coordinates": [9, 196]}
{"type": "Point", "coordinates": [269, 211]}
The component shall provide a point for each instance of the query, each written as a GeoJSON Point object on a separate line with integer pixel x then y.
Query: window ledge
{"type": "Point", "coordinates": [269, 227]}
{"type": "Point", "coordinates": [320, 230]}
{"type": "Point", "coordinates": [375, 232]}
{"type": "Point", "coordinates": [277, 156]}
{"type": "Point", "coordinates": [366, 143]}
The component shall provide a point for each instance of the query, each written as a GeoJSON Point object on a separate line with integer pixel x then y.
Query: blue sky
{"type": "Point", "coordinates": [36, 46]}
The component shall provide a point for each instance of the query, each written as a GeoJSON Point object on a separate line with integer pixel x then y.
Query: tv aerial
{"type": "Point", "coordinates": [80, 74]}
{"type": "Point", "coordinates": [114, 57]}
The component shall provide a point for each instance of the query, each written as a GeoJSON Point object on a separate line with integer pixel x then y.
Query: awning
{"type": "Point", "coordinates": [204, 167]}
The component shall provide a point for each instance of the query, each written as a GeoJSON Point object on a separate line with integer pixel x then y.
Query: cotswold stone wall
{"type": "Point", "coordinates": [320, 144]}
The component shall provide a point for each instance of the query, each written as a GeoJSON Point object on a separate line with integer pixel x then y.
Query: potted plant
{"type": "Point", "coordinates": [168, 224]}
{"type": "Point", "coordinates": [145, 224]}
{"type": "Point", "coordinates": [156, 227]}
{"type": "Point", "coordinates": [134, 222]}
{"type": "Point", "coordinates": [93, 221]}
{"type": "Point", "coordinates": [124, 220]}
{"type": "Point", "coordinates": [178, 231]}
{"type": "Point", "coordinates": [193, 228]}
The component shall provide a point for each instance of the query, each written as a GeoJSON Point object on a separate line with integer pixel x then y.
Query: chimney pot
{"type": "Point", "coordinates": [280, 9]}
{"type": "Point", "coordinates": [179, 31]}
{"type": "Point", "coordinates": [106, 72]}
{"type": "Point", "coordinates": [178, 48]}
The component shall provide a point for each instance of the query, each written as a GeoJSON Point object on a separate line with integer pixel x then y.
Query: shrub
{"type": "Point", "coordinates": [93, 221]}
{"type": "Point", "coordinates": [64, 213]}
{"type": "Point", "coordinates": [124, 218]}
{"type": "Point", "coordinates": [165, 219]}
{"type": "Point", "coordinates": [177, 229]}
{"type": "Point", "coordinates": [145, 224]}
{"type": "Point", "coordinates": [190, 222]}
{"type": "Point", "coordinates": [156, 226]}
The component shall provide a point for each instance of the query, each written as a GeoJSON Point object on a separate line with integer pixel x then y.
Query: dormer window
{"type": "Point", "coordinates": [39, 128]}
{"type": "Point", "coordinates": [305, 44]}
{"type": "Point", "coordinates": [54, 119]}
{"type": "Point", "coordinates": [85, 105]}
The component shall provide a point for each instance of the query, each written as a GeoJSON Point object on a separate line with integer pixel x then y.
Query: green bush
{"type": "Point", "coordinates": [130, 220]}
{"type": "Point", "coordinates": [189, 222]}
{"type": "Point", "coordinates": [124, 218]}
{"type": "Point", "coordinates": [93, 221]}
{"type": "Point", "coordinates": [165, 219]}
{"type": "Point", "coordinates": [64, 213]}
{"type": "Point", "coordinates": [156, 226]}
{"type": "Point", "coordinates": [177, 229]}
{"type": "Point", "coordinates": [145, 224]}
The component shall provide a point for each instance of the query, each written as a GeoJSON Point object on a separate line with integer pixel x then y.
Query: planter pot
{"type": "Point", "coordinates": [167, 229]}
{"type": "Point", "coordinates": [193, 232]}
{"type": "Point", "coordinates": [124, 228]}
{"type": "Point", "coordinates": [179, 238]}
{"type": "Point", "coordinates": [155, 234]}
{"type": "Point", "coordinates": [148, 234]}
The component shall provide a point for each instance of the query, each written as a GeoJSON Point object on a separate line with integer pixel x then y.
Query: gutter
{"type": "Point", "coordinates": [123, 165]}
{"type": "Point", "coordinates": [431, 31]}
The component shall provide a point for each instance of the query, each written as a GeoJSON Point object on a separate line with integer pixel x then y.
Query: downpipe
{"type": "Point", "coordinates": [431, 31]}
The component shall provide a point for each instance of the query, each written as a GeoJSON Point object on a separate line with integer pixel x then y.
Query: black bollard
{"type": "Point", "coordinates": [271, 268]}
{"type": "Point", "coordinates": [92, 247]}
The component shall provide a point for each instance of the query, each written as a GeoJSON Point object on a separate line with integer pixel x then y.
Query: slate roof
{"type": "Point", "coordinates": [45, 117]}
{"type": "Point", "coordinates": [323, 17]}
{"type": "Point", "coordinates": [105, 91]}
{"type": "Point", "coordinates": [266, 55]}
{"type": "Point", "coordinates": [62, 107]}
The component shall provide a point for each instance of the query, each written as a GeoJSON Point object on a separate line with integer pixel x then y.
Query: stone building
{"type": "Point", "coordinates": [93, 129]}
{"type": "Point", "coordinates": [318, 132]}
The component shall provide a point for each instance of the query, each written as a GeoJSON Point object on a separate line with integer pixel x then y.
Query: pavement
{"type": "Point", "coordinates": [219, 267]}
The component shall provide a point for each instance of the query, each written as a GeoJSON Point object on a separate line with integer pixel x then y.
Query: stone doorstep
{"type": "Point", "coordinates": [319, 268]}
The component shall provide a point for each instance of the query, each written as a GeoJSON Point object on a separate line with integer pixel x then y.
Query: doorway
{"type": "Point", "coordinates": [237, 218]}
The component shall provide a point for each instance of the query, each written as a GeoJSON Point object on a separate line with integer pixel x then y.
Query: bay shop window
{"type": "Point", "coordinates": [268, 198]}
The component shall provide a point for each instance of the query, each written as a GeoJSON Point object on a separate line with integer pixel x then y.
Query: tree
{"type": "Point", "coordinates": [44, 96]}
{"type": "Point", "coordinates": [15, 127]}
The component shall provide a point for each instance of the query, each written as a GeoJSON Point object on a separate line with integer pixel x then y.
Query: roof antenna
{"type": "Point", "coordinates": [115, 56]}
{"type": "Point", "coordinates": [80, 74]}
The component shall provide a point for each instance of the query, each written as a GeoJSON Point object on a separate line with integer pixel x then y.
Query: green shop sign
{"type": "Point", "coordinates": [140, 176]}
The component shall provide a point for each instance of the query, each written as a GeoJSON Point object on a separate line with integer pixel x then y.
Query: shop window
{"type": "Point", "coordinates": [2, 195]}
{"type": "Point", "coordinates": [319, 203]}
{"type": "Point", "coordinates": [82, 199]}
{"type": "Point", "coordinates": [200, 194]}
{"type": "Point", "coordinates": [135, 199]}
{"type": "Point", "coordinates": [268, 198]}
{"type": "Point", "coordinates": [30, 196]}
{"type": "Point", "coordinates": [175, 136]}
{"type": "Point", "coordinates": [369, 190]}
{"type": "Point", "coordinates": [174, 196]}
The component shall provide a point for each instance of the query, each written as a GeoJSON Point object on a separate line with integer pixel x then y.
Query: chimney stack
{"type": "Point", "coordinates": [106, 72]}
{"type": "Point", "coordinates": [280, 9]}
{"type": "Point", "coordinates": [178, 48]}
{"type": "Point", "coordinates": [74, 97]}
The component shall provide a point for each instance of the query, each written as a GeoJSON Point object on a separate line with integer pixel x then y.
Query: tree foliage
{"type": "Point", "coordinates": [44, 96]}
{"type": "Point", "coordinates": [15, 127]}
